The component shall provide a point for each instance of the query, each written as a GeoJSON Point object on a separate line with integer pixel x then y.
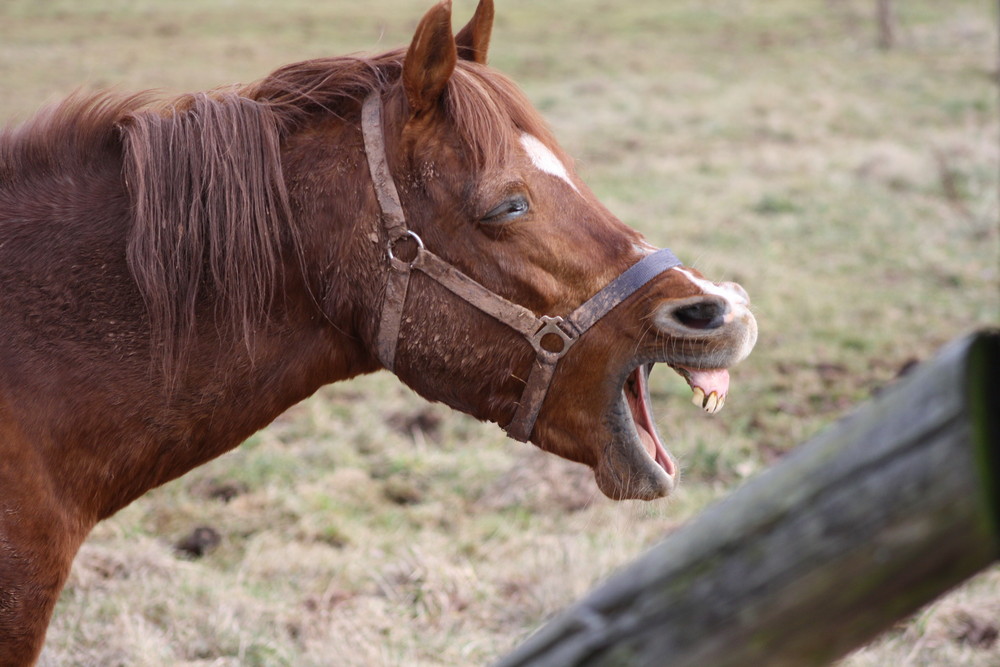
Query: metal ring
{"type": "Point", "coordinates": [550, 326]}
{"type": "Point", "coordinates": [420, 242]}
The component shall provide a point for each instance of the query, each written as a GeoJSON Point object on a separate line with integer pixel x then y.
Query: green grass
{"type": "Point", "coordinates": [852, 191]}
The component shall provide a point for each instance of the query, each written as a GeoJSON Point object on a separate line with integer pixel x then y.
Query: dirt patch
{"type": "Point", "coordinates": [199, 542]}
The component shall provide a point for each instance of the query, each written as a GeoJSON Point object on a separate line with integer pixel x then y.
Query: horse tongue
{"type": "Point", "coordinates": [709, 386]}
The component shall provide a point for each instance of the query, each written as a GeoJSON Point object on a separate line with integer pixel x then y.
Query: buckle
{"type": "Point", "coordinates": [551, 326]}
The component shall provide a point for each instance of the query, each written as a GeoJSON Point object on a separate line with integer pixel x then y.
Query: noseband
{"type": "Point", "coordinates": [566, 330]}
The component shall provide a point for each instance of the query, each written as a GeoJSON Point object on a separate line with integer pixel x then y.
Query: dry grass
{"type": "Point", "coordinates": [852, 191]}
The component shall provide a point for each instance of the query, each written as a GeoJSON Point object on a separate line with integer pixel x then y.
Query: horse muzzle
{"type": "Point", "coordinates": [700, 337]}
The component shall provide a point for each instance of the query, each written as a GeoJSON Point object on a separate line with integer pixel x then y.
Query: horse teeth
{"type": "Point", "coordinates": [722, 401]}
{"type": "Point", "coordinates": [712, 403]}
{"type": "Point", "coordinates": [699, 397]}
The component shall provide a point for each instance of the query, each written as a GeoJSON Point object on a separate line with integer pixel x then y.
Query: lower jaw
{"type": "Point", "coordinates": [634, 464]}
{"type": "Point", "coordinates": [623, 475]}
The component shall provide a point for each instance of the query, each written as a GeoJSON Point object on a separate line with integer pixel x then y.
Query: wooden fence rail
{"type": "Point", "coordinates": [851, 532]}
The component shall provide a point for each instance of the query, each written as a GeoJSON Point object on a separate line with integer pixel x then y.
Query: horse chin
{"type": "Point", "coordinates": [634, 464]}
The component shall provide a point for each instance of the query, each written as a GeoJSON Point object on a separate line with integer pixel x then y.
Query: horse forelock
{"type": "Point", "coordinates": [490, 113]}
{"type": "Point", "coordinates": [486, 108]}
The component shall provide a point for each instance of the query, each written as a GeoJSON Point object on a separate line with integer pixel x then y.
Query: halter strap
{"type": "Point", "coordinates": [391, 210]}
{"type": "Point", "coordinates": [517, 317]}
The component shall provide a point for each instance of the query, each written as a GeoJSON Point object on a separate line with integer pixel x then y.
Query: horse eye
{"type": "Point", "coordinates": [511, 208]}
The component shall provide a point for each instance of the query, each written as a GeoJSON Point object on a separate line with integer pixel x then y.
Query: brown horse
{"type": "Point", "coordinates": [174, 276]}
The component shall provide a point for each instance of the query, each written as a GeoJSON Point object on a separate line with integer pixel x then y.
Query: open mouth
{"type": "Point", "coordinates": [637, 397]}
{"type": "Point", "coordinates": [709, 389]}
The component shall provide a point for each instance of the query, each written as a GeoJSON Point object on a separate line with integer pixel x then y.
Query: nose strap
{"type": "Point", "coordinates": [622, 287]}
{"type": "Point", "coordinates": [561, 333]}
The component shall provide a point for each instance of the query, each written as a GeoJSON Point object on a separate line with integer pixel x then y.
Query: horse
{"type": "Point", "coordinates": [175, 273]}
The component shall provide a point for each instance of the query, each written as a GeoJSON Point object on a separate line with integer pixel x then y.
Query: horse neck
{"type": "Point", "coordinates": [322, 320]}
{"type": "Point", "coordinates": [108, 428]}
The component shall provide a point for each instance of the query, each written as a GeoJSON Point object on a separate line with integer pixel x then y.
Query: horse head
{"type": "Point", "coordinates": [483, 186]}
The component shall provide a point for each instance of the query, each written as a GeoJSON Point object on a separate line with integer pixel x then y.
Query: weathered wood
{"type": "Point", "coordinates": [853, 531]}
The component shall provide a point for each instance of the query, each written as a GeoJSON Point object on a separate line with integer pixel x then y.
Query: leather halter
{"type": "Point", "coordinates": [520, 319]}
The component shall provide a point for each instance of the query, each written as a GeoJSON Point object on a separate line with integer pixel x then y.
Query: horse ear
{"type": "Point", "coordinates": [430, 60]}
{"type": "Point", "coordinates": [474, 39]}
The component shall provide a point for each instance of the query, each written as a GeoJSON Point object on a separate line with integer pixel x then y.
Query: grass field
{"type": "Point", "coordinates": [852, 191]}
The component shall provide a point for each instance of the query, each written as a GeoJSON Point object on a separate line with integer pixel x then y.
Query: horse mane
{"type": "Point", "coordinates": [210, 210]}
{"type": "Point", "coordinates": [63, 137]}
{"type": "Point", "coordinates": [209, 206]}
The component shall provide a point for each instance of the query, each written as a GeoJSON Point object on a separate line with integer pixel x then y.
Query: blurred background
{"type": "Point", "coordinates": [838, 158]}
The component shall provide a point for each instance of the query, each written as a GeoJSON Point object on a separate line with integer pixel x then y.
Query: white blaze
{"type": "Point", "coordinates": [735, 299]}
{"type": "Point", "coordinates": [545, 159]}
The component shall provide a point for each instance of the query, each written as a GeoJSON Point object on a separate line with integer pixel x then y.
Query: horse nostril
{"type": "Point", "coordinates": [702, 315]}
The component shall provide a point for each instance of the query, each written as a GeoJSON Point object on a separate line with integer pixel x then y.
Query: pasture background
{"type": "Point", "coordinates": [852, 191]}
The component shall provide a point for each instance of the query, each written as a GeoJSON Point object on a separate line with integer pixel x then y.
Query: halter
{"type": "Point", "coordinates": [566, 330]}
